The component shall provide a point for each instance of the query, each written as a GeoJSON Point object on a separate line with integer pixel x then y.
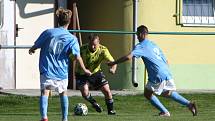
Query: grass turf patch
{"type": "Point", "coordinates": [129, 108]}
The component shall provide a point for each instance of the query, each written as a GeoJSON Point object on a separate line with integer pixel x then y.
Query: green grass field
{"type": "Point", "coordinates": [129, 108]}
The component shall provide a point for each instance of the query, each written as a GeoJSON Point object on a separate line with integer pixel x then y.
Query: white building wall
{"type": "Point", "coordinates": [34, 17]}
{"type": "Point", "coordinates": [7, 78]}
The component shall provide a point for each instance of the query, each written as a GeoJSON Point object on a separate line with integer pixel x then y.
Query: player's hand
{"type": "Point", "coordinates": [113, 67]}
{"type": "Point", "coordinates": [87, 72]}
{"type": "Point", "coordinates": [31, 51]}
{"type": "Point", "coordinates": [112, 70]}
{"type": "Point", "coordinates": [110, 63]}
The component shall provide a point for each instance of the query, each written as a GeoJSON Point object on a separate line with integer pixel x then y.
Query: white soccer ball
{"type": "Point", "coordinates": [80, 109]}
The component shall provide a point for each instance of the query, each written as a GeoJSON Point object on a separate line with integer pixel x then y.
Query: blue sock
{"type": "Point", "coordinates": [43, 106]}
{"type": "Point", "coordinates": [64, 106]}
{"type": "Point", "coordinates": [178, 98]}
{"type": "Point", "coordinates": [155, 102]}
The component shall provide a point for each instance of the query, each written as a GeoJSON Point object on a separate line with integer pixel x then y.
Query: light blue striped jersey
{"type": "Point", "coordinates": [56, 44]}
{"type": "Point", "coordinates": [154, 60]}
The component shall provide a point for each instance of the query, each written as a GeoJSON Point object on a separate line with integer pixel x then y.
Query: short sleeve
{"type": "Point", "coordinates": [41, 39]}
{"type": "Point", "coordinates": [137, 51]}
{"type": "Point", "coordinates": [75, 48]}
{"type": "Point", "coordinates": [107, 55]}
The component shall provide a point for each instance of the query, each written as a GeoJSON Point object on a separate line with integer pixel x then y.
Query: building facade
{"type": "Point", "coordinates": [190, 56]}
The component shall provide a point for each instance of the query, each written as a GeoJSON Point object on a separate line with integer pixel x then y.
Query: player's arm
{"type": "Point", "coordinates": [112, 69]}
{"type": "Point", "coordinates": [38, 43]}
{"type": "Point", "coordinates": [32, 50]}
{"type": "Point", "coordinates": [80, 61]}
{"type": "Point", "coordinates": [109, 58]}
{"type": "Point", "coordinates": [137, 52]}
{"type": "Point", "coordinates": [121, 60]}
{"type": "Point", "coordinates": [75, 54]}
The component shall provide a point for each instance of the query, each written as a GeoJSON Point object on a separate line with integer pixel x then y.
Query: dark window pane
{"type": "Point", "coordinates": [198, 8]}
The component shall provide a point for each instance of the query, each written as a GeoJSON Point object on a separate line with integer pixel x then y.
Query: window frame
{"type": "Point", "coordinates": [203, 20]}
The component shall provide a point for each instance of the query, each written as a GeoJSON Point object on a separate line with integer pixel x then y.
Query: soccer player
{"type": "Point", "coordinates": [160, 81]}
{"type": "Point", "coordinates": [56, 45]}
{"type": "Point", "coordinates": [93, 54]}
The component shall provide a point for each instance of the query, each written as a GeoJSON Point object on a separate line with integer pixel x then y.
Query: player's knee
{"type": "Point", "coordinates": [64, 93]}
{"type": "Point", "coordinates": [148, 94]}
{"type": "Point", "coordinates": [84, 93]}
{"type": "Point", "coordinates": [45, 92]}
{"type": "Point", "coordinates": [106, 91]}
{"type": "Point", "coordinates": [108, 95]}
{"type": "Point", "coordinates": [166, 93]}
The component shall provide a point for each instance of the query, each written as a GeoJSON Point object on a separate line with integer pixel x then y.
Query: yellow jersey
{"type": "Point", "coordinates": [93, 60]}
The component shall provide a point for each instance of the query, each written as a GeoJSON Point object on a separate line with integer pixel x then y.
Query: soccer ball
{"type": "Point", "coordinates": [80, 109]}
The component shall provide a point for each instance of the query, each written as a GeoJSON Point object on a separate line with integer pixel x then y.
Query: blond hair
{"type": "Point", "coordinates": [63, 16]}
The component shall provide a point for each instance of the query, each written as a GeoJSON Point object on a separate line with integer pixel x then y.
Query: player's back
{"type": "Point", "coordinates": [155, 62]}
{"type": "Point", "coordinates": [54, 53]}
{"type": "Point", "coordinates": [59, 42]}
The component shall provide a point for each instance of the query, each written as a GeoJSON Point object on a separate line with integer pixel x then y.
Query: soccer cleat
{"type": "Point", "coordinates": [44, 120]}
{"type": "Point", "coordinates": [97, 107]}
{"type": "Point", "coordinates": [164, 114]}
{"type": "Point", "coordinates": [112, 112]}
{"type": "Point", "coordinates": [192, 107]}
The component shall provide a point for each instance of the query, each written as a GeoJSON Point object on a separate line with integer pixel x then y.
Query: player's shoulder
{"type": "Point", "coordinates": [146, 42]}
{"type": "Point", "coordinates": [47, 31]}
{"type": "Point", "coordinates": [50, 30]}
{"type": "Point", "coordinates": [53, 31]}
{"type": "Point", "coordinates": [139, 45]}
{"type": "Point", "coordinates": [73, 36]}
{"type": "Point", "coordinates": [151, 42]}
{"type": "Point", "coordinates": [102, 47]}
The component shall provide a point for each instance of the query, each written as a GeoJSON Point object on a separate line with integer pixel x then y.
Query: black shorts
{"type": "Point", "coordinates": [96, 80]}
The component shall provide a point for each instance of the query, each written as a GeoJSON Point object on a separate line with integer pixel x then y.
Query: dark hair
{"type": "Point", "coordinates": [63, 16]}
{"type": "Point", "coordinates": [93, 36]}
{"type": "Point", "coordinates": [142, 29]}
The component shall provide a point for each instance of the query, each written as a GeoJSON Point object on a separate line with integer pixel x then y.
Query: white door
{"type": "Point", "coordinates": [7, 37]}
{"type": "Point", "coordinates": [33, 16]}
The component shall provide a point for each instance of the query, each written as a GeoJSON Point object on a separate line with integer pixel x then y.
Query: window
{"type": "Point", "coordinates": [198, 12]}
{"type": "Point", "coordinates": [1, 12]}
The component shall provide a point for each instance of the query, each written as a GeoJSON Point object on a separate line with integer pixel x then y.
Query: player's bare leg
{"type": "Point", "coordinates": [108, 99]}
{"type": "Point", "coordinates": [87, 96]}
{"type": "Point", "coordinates": [44, 104]}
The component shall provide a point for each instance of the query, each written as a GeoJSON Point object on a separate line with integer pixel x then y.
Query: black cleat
{"type": "Point", "coordinates": [97, 107]}
{"type": "Point", "coordinates": [192, 107]}
{"type": "Point", "coordinates": [112, 112]}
